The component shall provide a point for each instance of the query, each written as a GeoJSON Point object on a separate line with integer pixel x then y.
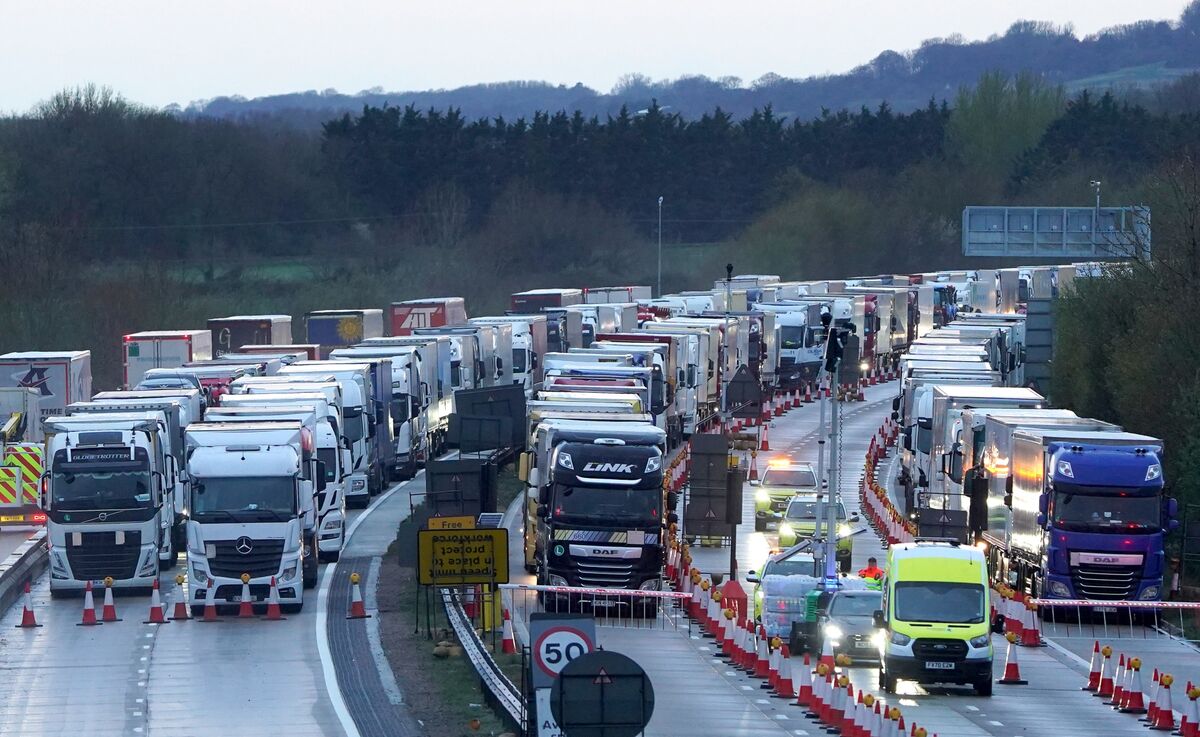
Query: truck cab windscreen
{"type": "Point", "coordinates": [124, 487]}
{"type": "Point", "coordinates": [355, 424]}
{"type": "Point", "coordinates": [940, 602]}
{"type": "Point", "coordinates": [518, 360]}
{"type": "Point", "coordinates": [329, 457]}
{"type": "Point", "coordinates": [243, 499]}
{"type": "Point", "coordinates": [1087, 509]}
{"type": "Point", "coordinates": [617, 506]}
{"type": "Point", "coordinates": [791, 338]}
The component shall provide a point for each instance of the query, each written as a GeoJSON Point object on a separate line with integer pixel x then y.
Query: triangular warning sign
{"type": "Point", "coordinates": [944, 519]}
{"type": "Point", "coordinates": [602, 678]}
{"type": "Point", "coordinates": [711, 514]}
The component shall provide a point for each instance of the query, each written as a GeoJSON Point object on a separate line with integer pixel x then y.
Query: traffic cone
{"type": "Point", "coordinates": [783, 684]}
{"type": "Point", "coordinates": [796, 399]}
{"type": "Point", "coordinates": [827, 654]}
{"type": "Point", "coordinates": [1093, 682]}
{"type": "Point", "coordinates": [109, 613]}
{"type": "Point", "coordinates": [508, 643]}
{"type": "Point", "coordinates": [777, 401]}
{"type": "Point", "coordinates": [816, 704]}
{"type": "Point", "coordinates": [1125, 686]}
{"type": "Point", "coordinates": [1106, 684]}
{"type": "Point", "coordinates": [357, 609]}
{"type": "Point", "coordinates": [210, 604]}
{"type": "Point", "coordinates": [1193, 713]}
{"type": "Point", "coordinates": [773, 661]}
{"type": "Point", "coordinates": [181, 605]}
{"type": "Point", "coordinates": [1152, 707]}
{"type": "Point", "coordinates": [246, 605]}
{"type": "Point", "coordinates": [804, 686]}
{"type": "Point", "coordinates": [754, 466]}
{"type": "Point", "coordinates": [274, 613]}
{"type": "Point", "coordinates": [808, 393]}
{"type": "Point", "coordinates": [1012, 669]}
{"type": "Point", "coordinates": [1118, 682]}
{"type": "Point", "coordinates": [1134, 700]}
{"type": "Point", "coordinates": [762, 663]}
{"type": "Point", "coordinates": [1031, 635]}
{"type": "Point", "coordinates": [846, 725]}
{"type": "Point", "coordinates": [765, 444]}
{"type": "Point", "coordinates": [1164, 715]}
{"type": "Point", "coordinates": [858, 728]}
{"type": "Point", "coordinates": [877, 725]}
{"type": "Point", "coordinates": [157, 613]}
{"type": "Point", "coordinates": [89, 608]}
{"type": "Point", "coordinates": [28, 620]}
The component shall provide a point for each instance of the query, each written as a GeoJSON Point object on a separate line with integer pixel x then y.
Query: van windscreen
{"type": "Point", "coordinates": [940, 601]}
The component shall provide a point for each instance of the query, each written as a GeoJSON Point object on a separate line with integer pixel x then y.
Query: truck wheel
{"type": "Point", "coordinates": [984, 687]}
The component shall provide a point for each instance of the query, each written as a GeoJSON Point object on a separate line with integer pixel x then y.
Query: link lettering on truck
{"type": "Point", "coordinates": [594, 467]}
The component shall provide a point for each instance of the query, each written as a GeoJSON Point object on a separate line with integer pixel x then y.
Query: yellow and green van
{"type": "Point", "coordinates": [935, 616]}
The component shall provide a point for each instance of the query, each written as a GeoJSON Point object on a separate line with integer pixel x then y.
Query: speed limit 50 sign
{"type": "Point", "coordinates": [557, 639]}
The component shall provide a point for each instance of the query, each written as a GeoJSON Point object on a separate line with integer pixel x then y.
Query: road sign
{"type": "Point", "coordinates": [456, 557]}
{"type": "Point", "coordinates": [465, 522]}
{"type": "Point", "coordinates": [558, 639]}
{"type": "Point", "coordinates": [603, 694]}
{"type": "Point", "coordinates": [743, 395]}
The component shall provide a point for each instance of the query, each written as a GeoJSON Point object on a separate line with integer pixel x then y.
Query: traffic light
{"type": "Point", "coordinates": [835, 346]}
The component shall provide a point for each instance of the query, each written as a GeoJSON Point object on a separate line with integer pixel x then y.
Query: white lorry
{"type": "Point", "coordinates": [60, 377]}
{"type": "Point", "coordinates": [528, 346]}
{"type": "Point", "coordinates": [163, 349]}
{"type": "Point", "coordinates": [252, 486]}
{"type": "Point", "coordinates": [109, 507]}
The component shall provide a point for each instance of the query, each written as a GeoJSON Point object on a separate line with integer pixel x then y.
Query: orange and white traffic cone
{"type": "Point", "coordinates": [246, 605]}
{"type": "Point", "coordinates": [210, 603]}
{"type": "Point", "coordinates": [783, 684]}
{"type": "Point", "coordinates": [1164, 715]}
{"type": "Point", "coordinates": [158, 614]}
{"type": "Point", "coordinates": [89, 608]}
{"type": "Point", "coordinates": [827, 654]}
{"type": "Point", "coordinates": [765, 444]}
{"type": "Point", "coordinates": [274, 612]}
{"type": "Point", "coordinates": [762, 662]}
{"type": "Point", "coordinates": [1135, 702]}
{"type": "Point", "coordinates": [508, 642]}
{"type": "Point", "coordinates": [28, 620]}
{"type": "Point", "coordinates": [1012, 669]}
{"type": "Point", "coordinates": [753, 466]}
{"type": "Point", "coordinates": [181, 604]}
{"type": "Point", "coordinates": [357, 609]}
{"type": "Point", "coordinates": [109, 613]}
{"type": "Point", "coordinates": [1031, 635]}
{"type": "Point", "coordinates": [1093, 682]}
{"type": "Point", "coordinates": [1193, 713]}
{"type": "Point", "coordinates": [1118, 682]}
{"type": "Point", "coordinates": [1106, 682]}
{"type": "Point", "coordinates": [804, 684]}
{"type": "Point", "coordinates": [808, 394]}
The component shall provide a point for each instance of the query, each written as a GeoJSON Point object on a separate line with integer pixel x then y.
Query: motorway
{"type": "Point", "coordinates": [313, 674]}
{"type": "Point", "coordinates": [697, 694]}
{"type": "Point", "coordinates": [11, 537]}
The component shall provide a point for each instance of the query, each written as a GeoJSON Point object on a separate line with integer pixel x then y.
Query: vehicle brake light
{"type": "Point", "coordinates": [38, 518]}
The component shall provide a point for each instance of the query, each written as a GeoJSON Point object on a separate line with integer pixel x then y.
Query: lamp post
{"type": "Point", "coordinates": [1096, 215]}
{"type": "Point", "coordinates": [660, 204]}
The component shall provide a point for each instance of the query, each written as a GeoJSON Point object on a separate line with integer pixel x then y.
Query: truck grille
{"type": "Point", "coordinates": [98, 555]}
{"type": "Point", "coordinates": [262, 560]}
{"type": "Point", "coordinates": [1111, 583]}
{"type": "Point", "coordinates": [601, 573]}
{"type": "Point", "coordinates": [938, 649]}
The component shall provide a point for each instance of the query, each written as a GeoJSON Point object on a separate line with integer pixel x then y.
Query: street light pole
{"type": "Point", "coordinates": [660, 203]}
{"type": "Point", "coordinates": [1096, 216]}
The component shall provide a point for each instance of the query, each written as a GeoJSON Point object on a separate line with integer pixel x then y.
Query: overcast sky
{"type": "Point", "coordinates": [163, 51]}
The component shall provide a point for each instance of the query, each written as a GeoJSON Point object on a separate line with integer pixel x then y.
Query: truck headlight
{"type": "Point", "coordinates": [1059, 589]}
{"type": "Point", "coordinates": [557, 581]}
{"type": "Point", "coordinates": [651, 584]}
{"type": "Point", "coordinates": [786, 529]}
{"type": "Point", "coordinates": [833, 632]}
{"type": "Point", "coordinates": [901, 639]}
{"type": "Point", "coordinates": [1153, 471]}
{"type": "Point", "coordinates": [198, 576]}
{"type": "Point", "coordinates": [358, 484]}
{"type": "Point", "coordinates": [288, 573]}
{"type": "Point", "coordinates": [1149, 594]}
{"type": "Point", "coordinates": [565, 460]}
{"type": "Point", "coordinates": [761, 495]}
{"type": "Point", "coordinates": [653, 464]}
{"type": "Point", "coordinates": [1064, 469]}
{"type": "Point", "coordinates": [980, 641]}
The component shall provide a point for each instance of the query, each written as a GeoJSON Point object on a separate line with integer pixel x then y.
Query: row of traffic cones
{"type": "Point", "coordinates": [158, 608]}
{"type": "Point", "coordinates": [1122, 689]}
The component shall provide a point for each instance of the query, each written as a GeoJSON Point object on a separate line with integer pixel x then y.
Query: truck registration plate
{"type": "Point", "coordinates": [12, 518]}
{"type": "Point", "coordinates": [1103, 609]}
{"type": "Point", "coordinates": [939, 665]}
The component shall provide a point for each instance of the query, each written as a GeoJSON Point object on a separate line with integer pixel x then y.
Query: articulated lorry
{"type": "Point", "coordinates": [597, 509]}
{"type": "Point", "coordinates": [331, 329]}
{"type": "Point", "coordinates": [253, 485]}
{"type": "Point", "coordinates": [434, 312]}
{"type": "Point", "coordinates": [162, 349]}
{"type": "Point", "coordinates": [23, 457]}
{"type": "Point", "coordinates": [238, 330]}
{"type": "Point", "coordinates": [60, 377]}
{"type": "Point", "coordinates": [108, 501]}
{"type": "Point", "coordinates": [1087, 515]}
{"type": "Point", "coordinates": [528, 346]}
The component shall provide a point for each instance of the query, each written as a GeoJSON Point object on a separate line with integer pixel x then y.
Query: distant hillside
{"type": "Point", "coordinates": [1137, 55]}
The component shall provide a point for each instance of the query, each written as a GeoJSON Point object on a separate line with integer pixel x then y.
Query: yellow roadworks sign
{"type": "Point", "coordinates": [465, 522]}
{"type": "Point", "coordinates": [455, 557]}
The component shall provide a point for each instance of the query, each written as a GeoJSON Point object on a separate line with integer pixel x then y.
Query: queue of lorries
{"type": "Point", "coordinates": [244, 448]}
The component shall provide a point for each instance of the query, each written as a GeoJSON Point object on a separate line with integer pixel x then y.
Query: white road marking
{"type": "Point", "coordinates": [334, 690]}
{"type": "Point", "coordinates": [386, 677]}
{"type": "Point", "coordinates": [1054, 645]}
{"type": "Point", "coordinates": [994, 723]}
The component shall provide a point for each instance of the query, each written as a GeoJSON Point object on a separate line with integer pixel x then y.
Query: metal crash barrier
{"type": "Point", "coordinates": [1090, 618]}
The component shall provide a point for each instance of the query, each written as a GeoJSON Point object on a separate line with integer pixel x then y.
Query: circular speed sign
{"type": "Point", "coordinates": [558, 646]}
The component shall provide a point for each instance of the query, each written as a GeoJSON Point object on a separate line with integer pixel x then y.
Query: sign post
{"type": "Point", "coordinates": [556, 640]}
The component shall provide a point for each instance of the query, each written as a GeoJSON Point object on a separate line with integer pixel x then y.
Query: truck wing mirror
{"type": "Point", "coordinates": [877, 618]}
{"type": "Point", "coordinates": [752, 577]}
{"type": "Point", "coordinates": [543, 511]}
{"type": "Point", "coordinates": [1041, 520]}
{"type": "Point", "coordinates": [672, 500]}
{"type": "Point", "coordinates": [543, 495]}
{"type": "Point", "coordinates": [672, 518]}
{"type": "Point", "coordinates": [1044, 503]}
{"type": "Point", "coordinates": [1172, 525]}
{"type": "Point", "coordinates": [896, 404]}
{"type": "Point", "coordinates": [1172, 507]}
{"type": "Point", "coordinates": [998, 624]}
{"type": "Point", "coordinates": [895, 416]}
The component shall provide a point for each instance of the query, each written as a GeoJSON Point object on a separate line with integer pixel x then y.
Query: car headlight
{"type": "Point", "coordinates": [843, 530]}
{"type": "Point", "coordinates": [901, 639]}
{"type": "Point", "coordinates": [565, 460]}
{"type": "Point", "coordinates": [786, 529]}
{"type": "Point", "coordinates": [1059, 589]}
{"type": "Point", "coordinates": [651, 584]}
{"type": "Point", "coordinates": [761, 495]}
{"type": "Point", "coordinates": [1149, 594]}
{"type": "Point", "coordinates": [653, 464]}
{"type": "Point", "coordinates": [557, 581]}
{"type": "Point", "coordinates": [833, 632]}
{"type": "Point", "coordinates": [980, 641]}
